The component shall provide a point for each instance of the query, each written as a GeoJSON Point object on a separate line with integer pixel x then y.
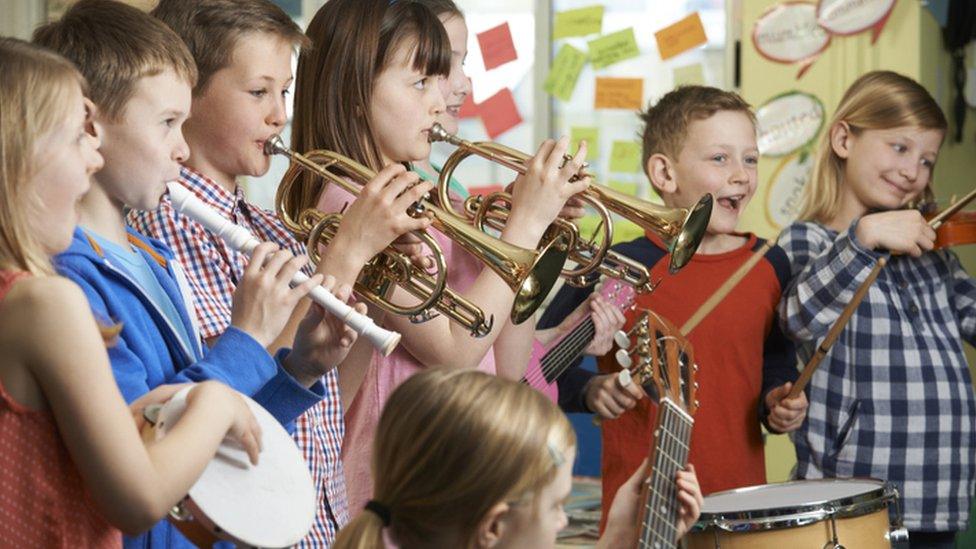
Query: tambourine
{"type": "Point", "coordinates": [271, 504]}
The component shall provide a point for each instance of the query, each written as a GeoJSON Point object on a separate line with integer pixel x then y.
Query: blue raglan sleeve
{"type": "Point", "coordinates": [779, 352]}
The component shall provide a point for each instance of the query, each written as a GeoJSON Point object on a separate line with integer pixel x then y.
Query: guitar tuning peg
{"type": "Point", "coordinates": [695, 367]}
{"type": "Point", "coordinates": [623, 359]}
{"type": "Point", "coordinates": [695, 385]}
{"type": "Point", "coordinates": [621, 339]}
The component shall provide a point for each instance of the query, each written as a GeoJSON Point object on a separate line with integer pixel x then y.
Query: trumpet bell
{"type": "Point", "coordinates": [534, 289]}
{"type": "Point", "coordinates": [684, 245]}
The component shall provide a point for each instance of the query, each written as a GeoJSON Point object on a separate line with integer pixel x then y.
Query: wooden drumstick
{"type": "Point", "coordinates": [848, 311]}
{"type": "Point", "coordinates": [726, 288]}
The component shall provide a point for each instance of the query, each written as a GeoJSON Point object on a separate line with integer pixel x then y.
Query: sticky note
{"type": "Point", "coordinates": [689, 75]}
{"type": "Point", "coordinates": [579, 22]}
{"type": "Point", "coordinates": [499, 113]}
{"type": "Point", "coordinates": [497, 47]}
{"type": "Point", "coordinates": [592, 136]}
{"type": "Point", "coordinates": [619, 93]}
{"type": "Point", "coordinates": [625, 157]}
{"type": "Point", "coordinates": [565, 72]}
{"type": "Point", "coordinates": [613, 48]}
{"type": "Point", "coordinates": [681, 36]}
{"type": "Point", "coordinates": [468, 109]}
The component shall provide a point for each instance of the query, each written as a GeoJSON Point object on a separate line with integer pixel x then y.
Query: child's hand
{"type": "Point", "coordinates": [690, 498]}
{"type": "Point", "coordinates": [242, 425]}
{"type": "Point", "coordinates": [608, 399]}
{"type": "Point", "coordinates": [159, 395]}
{"type": "Point", "coordinates": [540, 194]}
{"type": "Point", "coordinates": [623, 516]}
{"type": "Point", "coordinates": [785, 414]}
{"type": "Point", "coordinates": [607, 319]}
{"type": "Point", "coordinates": [322, 340]}
{"type": "Point", "coordinates": [901, 231]}
{"type": "Point", "coordinates": [380, 215]}
{"type": "Point", "coordinates": [264, 299]}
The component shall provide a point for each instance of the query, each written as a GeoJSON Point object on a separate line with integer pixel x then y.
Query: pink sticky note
{"type": "Point", "coordinates": [468, 108]}
{"type": "Point", "coordinates": [499, 113]}
{"type": "Point", "coordinates": [497, 47]}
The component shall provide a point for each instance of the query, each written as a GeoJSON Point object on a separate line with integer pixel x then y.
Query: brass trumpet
{"type": "Point", "coordinates": [529, 273]}
{"type": "Point", "coordinates": [680, 228]}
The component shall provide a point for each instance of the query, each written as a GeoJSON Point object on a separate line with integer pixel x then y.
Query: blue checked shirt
{"type": "Point", "coordinates": [893, 398]}
{"type": "Point", "coordinates": [214, 270]}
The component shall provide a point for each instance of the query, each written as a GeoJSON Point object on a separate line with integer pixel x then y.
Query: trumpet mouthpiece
{"type": "Point", "coordinates": [274, 145]}
{"type": "Point", "coordinates": [438, 133]}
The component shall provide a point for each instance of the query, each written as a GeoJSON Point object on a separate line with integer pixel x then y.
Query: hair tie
{"type": "Point", "coordinates": [381, 511]}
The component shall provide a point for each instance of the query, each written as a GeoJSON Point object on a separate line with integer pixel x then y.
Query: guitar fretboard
{"type": "Point", "coordinates": [659, 521]}
{"type": "Point", "coordinates": [564, 353]}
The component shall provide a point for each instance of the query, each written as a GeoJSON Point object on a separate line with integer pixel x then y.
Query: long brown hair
{"type": "Point", "coordinates": [879, 100]}
{"type": "Point", "coordinates": [352, 42]}
{"type": "Point", "coordinates": [449, 446]}
{"type": "Point", "coordinates": [34, 99]}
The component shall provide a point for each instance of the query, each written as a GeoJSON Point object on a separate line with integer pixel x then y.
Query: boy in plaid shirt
{"type": "Point", "coordinates": [893, 398]}
{"type": "Point", "coordinates": [243, 50]}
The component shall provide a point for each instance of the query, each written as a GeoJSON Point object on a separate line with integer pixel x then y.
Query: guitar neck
{"type": "Point", "coordinates": [562, 355]}
{"type": "Point", "coordinates": [659, 518]}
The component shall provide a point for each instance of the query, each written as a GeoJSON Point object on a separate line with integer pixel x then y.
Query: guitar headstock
{"type": "Point", "coordinates": [661, 358]}
{"type": "Point", "coordinates": [618, 293]}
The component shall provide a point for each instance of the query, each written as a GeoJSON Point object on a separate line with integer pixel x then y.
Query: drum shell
{"type": "Point", "coordinates": [861, 521]}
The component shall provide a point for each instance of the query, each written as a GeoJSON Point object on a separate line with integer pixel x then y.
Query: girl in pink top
{"type": "Point", "coordinates": [368, 89]}
{"type": "Point", "coordinates": [72, 465]}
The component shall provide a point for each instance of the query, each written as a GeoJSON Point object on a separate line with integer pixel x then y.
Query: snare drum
{"type": "Point", "coordinates": [271, 504]}
{"type": "Point", "coordinates": [828, 513]}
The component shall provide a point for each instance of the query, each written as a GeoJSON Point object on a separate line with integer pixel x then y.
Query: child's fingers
{"type": "Point", "coordinates": [544, 151]}
{"type": "Point", "coordinates": [258, 257]}
{"type": "Point", "coordinates": [302, 290]}
{"type": "Point", "coordinates": [555, 160]}
{"type": "Point", "coordinates": [411, 195]}
{"type": "Point", "coordinates": [383, 178]}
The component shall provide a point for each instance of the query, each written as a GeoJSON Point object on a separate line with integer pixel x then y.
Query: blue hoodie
{"type": "Point", "coordinates": [149, 353]}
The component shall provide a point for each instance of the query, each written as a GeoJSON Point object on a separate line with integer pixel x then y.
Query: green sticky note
{"type": "Point", "coordinates": [625, 157]}
{"type": "Point", "coordinates": [578, 22]}
{"type": "Point", "coordinates": [689, 75]}
{"type": "Point", "coordinates": [613, 48]}
{"type": "Point", "coordinates": [565, 72]}
{"type": "Point", "coordinates": [592, 136]}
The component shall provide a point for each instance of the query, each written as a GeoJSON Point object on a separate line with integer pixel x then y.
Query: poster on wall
{"type": "Point", "coordinates": [786, 189]}
{"type": "Point", "coordinates": [788, 123]}
{"type": "Point", "coordinates": [789, 33]}
{"type": "Point", "coordinates": [798, 32]}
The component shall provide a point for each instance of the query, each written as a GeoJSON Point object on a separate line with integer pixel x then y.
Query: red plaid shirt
{"type": "Point", "coordinates": [214, 270]}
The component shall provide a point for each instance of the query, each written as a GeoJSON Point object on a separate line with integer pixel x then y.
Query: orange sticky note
{"type": "Point", "coordinates": [619, 93]}
{"type": "Point", "coordinates": [499, 113]}
{"type": "Point", "coordinates": [681, 36]}
{"type": "Point", "coordinates": [497, 47]}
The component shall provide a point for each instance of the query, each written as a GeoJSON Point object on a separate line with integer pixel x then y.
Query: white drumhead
{"type": "Point", "coordinates": [271, 504]}
{"type": "Point", "coordinates": [787, 494]}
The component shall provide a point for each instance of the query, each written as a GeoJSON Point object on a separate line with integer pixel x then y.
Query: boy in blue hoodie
{"type": "Point", "coordinates": [140, 76]}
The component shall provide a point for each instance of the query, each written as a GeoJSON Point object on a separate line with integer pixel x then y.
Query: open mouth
{"type": "Point", "coordinates": [732, 203]}
{"type": "Point", "coordinates": [454, 110]}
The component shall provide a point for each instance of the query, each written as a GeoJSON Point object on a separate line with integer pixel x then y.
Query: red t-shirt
{"type": "Point", "coordinates": [729, 347]}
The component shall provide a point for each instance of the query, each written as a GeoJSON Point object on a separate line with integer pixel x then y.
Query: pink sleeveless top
{"type": "Point", "coordinates": [386, 373]}
{"type": "Point", "coordinates": [43, 502]}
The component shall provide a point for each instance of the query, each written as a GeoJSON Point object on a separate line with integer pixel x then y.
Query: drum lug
{"type": "Point", "coordinates": [898, 535]}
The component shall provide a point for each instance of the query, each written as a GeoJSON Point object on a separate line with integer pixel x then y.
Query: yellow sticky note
{"type": "Point", "coordinates": [681, 36]}
{"type": "Point", "coordinates": [565, 72]}
{"type": "Point", "coordinates": [612, 48]}
{"type": "Point", "coordinates": [592, 136]}
{"type": "Point", "coordinates": [578, 22]}
{"type": "Point", "coordinates": [689, 75]}
{"type": "Point", "coordinates": [625, 157]}
{"type": "Point", "coordinates": [619, 93]}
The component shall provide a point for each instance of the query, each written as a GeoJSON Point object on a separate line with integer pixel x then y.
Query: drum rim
{"type": "Point", "coordinates": [798, 515]}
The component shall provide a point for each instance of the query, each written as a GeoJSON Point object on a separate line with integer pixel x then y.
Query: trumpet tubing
{"type": "Point", "coordinates": [681, 228]}
{"type": "Point", "coordinates": [529, 273]}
